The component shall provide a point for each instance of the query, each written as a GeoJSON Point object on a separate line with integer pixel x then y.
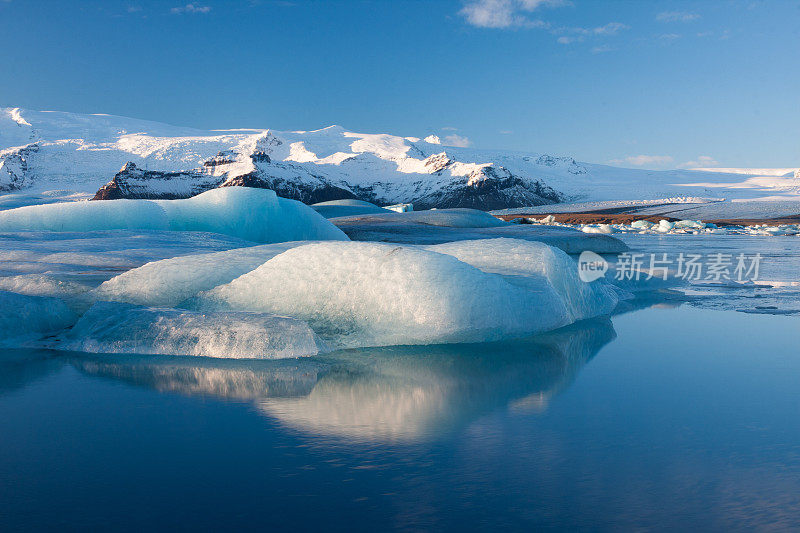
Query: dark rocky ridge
{"type": "Point", "coordinates": [489, 187]}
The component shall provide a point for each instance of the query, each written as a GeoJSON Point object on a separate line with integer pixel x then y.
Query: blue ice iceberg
{"type": "Point", "coordinates": [256, 215]}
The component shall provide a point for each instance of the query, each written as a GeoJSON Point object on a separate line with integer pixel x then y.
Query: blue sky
{"type": "Point", "coordinates": [654, 84]}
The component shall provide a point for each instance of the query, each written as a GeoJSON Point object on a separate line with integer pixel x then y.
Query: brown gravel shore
{"type": "Point", "coordinates": [627, 218]}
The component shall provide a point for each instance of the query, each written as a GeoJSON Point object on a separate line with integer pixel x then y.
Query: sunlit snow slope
{"type": "Point", "coordinates": [117, 157]}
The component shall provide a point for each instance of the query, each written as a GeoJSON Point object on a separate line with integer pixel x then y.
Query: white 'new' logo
{"type": "Point", "coordinates": [591, 266]}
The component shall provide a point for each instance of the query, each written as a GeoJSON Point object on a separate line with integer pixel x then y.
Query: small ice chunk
{"type": "Point", "coordinates": [665, 226]}
{"type": "Point", "coordinates": [690, 224]}
{"type": "Point", "coordinates": [400, 208]}
{"type": "Point", "coordinates": [598, 228]}
{"type": "Point", "coordinates": [123, 328]}
{"type": "Point", "coordinates": [642, 224]}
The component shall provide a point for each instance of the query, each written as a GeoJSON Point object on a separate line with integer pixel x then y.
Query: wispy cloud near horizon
{"type": "Point", "coordinates": [703, 161]}
{"type": "Point", "coordinates": [644, 160]}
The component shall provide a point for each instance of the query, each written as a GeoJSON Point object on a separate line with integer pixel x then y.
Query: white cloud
{"type": "Point", "coordinates": [669, 37]}
{"type": "Point", "coordinates": [602, 49]}
{"type": "Point", "coordinates": [505, 132]}
{"type": "Point", "coordinates": [456, 140]}
{"type": "Point", "coordinates": [579, 35]}
{"type": "Point", "coordinates": [702, 161]}
{"type": "Point", "coordinates": [449, 128]}
{"type": "Point", "coordinates": [644, 160]}
{"type": "Point", "coordinates": [505, 13]}
{"type": "Point", "coordinates": [190, 8]}
{"type": "Point", "coordinates": [134, 9]}
{"type": "Point", "coordinates": [676, 16]}
{"type": "Point", "coordinates": [609, 29]}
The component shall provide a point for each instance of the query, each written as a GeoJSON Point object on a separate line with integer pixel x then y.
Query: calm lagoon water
{"type": "Point", "coordinates": [672, 417]}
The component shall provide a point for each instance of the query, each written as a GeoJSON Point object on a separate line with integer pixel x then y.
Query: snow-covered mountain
{"type": "Point", "coordinates": [45, 150]}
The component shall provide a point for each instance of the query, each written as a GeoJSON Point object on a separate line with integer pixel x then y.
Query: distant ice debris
{"type": "Point", "coordinates": [124, 328]}
{"type": "Point", "coordinates": [693, 227]}
{"type": "Point", "coordinates": [256, 215]}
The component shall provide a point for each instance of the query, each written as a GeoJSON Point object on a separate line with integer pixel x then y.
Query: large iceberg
{"type": "Point", "coordinates": [171, 281]}
{"type": "Point", "coordinates": [124, 328]}
{"type": "Point", "coordinates": [537, 266]}
{"type": "Point", "coordinates": [256, 215]}
{"type": "Point", "coordinates": [373, 294]}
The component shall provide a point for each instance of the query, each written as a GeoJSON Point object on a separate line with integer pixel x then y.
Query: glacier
{"type": "Point", "coordinates": [118, 157]}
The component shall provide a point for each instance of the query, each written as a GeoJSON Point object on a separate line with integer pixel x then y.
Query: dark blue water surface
{"type": "Point", "coordinates": [669, 418]}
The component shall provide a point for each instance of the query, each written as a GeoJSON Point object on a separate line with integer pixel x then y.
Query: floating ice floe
{"type": "Point", "coordinates": [346, 208]}
{"type": "Point", "coordinates": [257, 215]}
{"type": "Point", "coordinates": [447, 225]}
{"type": "Point", "coordinates": [123, 328]}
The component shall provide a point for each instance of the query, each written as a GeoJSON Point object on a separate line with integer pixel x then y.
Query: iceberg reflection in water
{"type": "Point", "coordinates": [402, 393]}
{"type": "Point", "coordinates": [19, 367]}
